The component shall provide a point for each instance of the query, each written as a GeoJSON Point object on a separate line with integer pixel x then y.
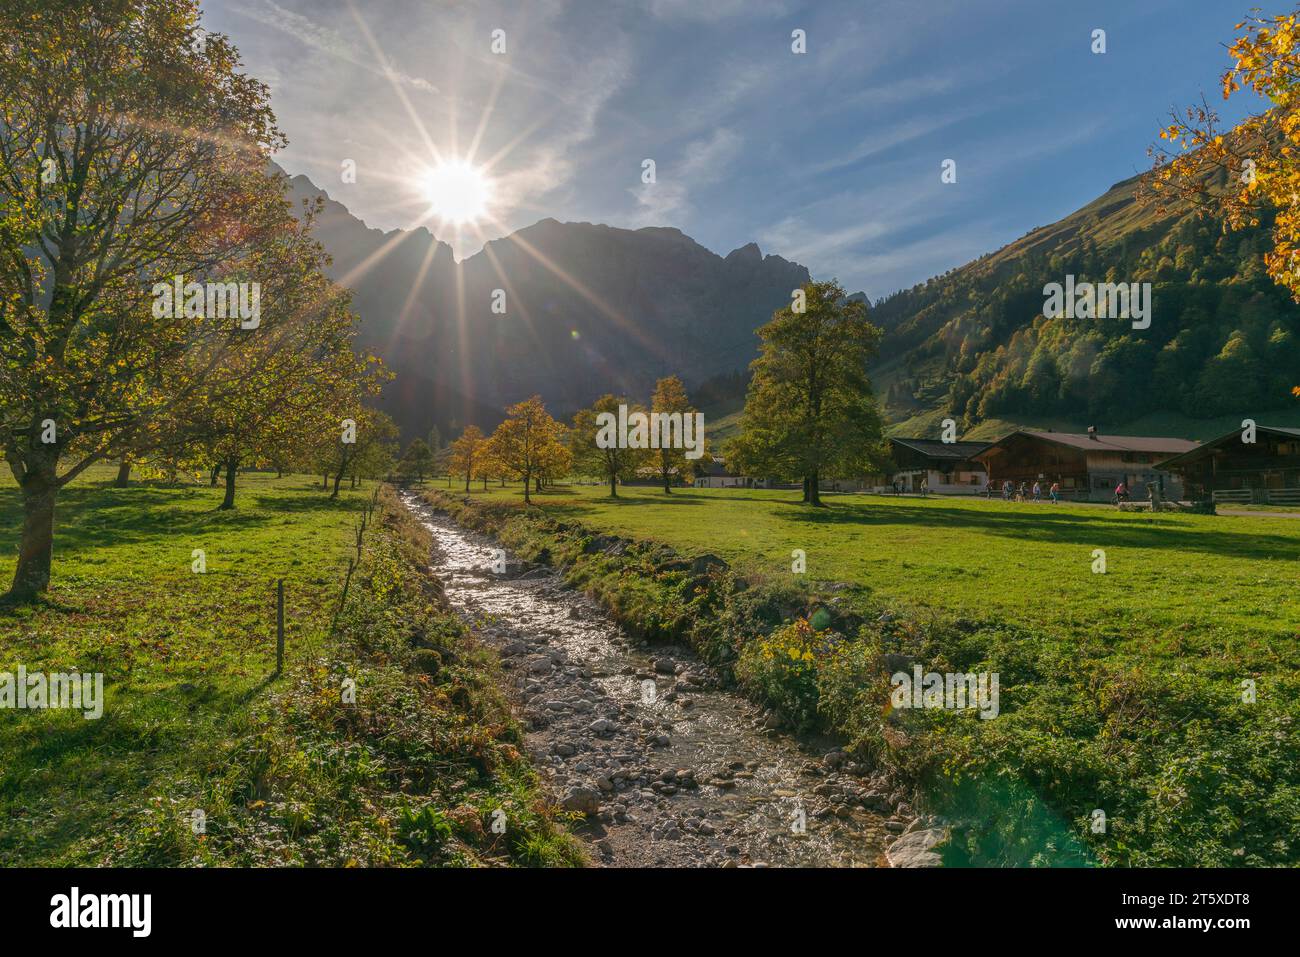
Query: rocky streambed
{"type": "Point", "coordinates": [667, 768]}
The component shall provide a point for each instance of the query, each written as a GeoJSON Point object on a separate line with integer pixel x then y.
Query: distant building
{"type": "Point", "coordinates": [947, 467]}
{"type": "Point", "coordinates": [1088, 466]}
{"type": "Point", "coordinates": [713, 473]}
{"type": "Point", "coordinates": [1226, 469]}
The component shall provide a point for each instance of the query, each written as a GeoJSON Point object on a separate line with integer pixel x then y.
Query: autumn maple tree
{"type": "Point", "coordinates": [527, 444]}
{"type": "Point", "coordinates": [468, 453]}
{"type": "Point", "coordinates": [1250, 170]}
{"type": "Point", "coordinates": [133, 151]}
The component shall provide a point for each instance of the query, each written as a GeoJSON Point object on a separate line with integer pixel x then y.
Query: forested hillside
{"type": "Point", "coordinates": [974, 343]}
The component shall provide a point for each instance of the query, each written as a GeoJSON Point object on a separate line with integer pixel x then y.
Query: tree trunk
{"type": "Point", "coordinates": [613, 486]}
{"type": "Point", "coordinates": [123, 473]}
{"type": "Point", "coordinates": [232, 466]}
{"type": "Point", "coordinates": [36, 548]}
{"type": "Point", "coordinates": [485, 483]}
{"type": "Point", "coordinates": [668, 488]}
{"type": "Point", "coordinates": [467, 481]}
{"type": "Point", "coordinates": [216, 473]}
{"type": "Point", "coordinates": [528, 480]}
{"type": "Point", "coordinates": [812, 483]}
{"type": "Point", "coordinates": [338, 477]}
{"type": "Point", "coordinates": [354, 481]}
{"type": "Point", "coordinates": [538, 485]}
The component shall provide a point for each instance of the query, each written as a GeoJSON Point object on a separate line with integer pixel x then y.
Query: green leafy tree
{"type": "Point", "coordinates": [810, 410]}
{"type": "Point", "coordinates": [129, 154]}
{"type": "Point", "coordinates": [670, 397]}
{"type": "Point", "coordinates": [418, 458]}
{"type": "Point", "coordinates": [604, 458]}
{"type": "Point", "coordinates": [352, 439]}
{"type": "Point", "coordinates": [374, 456]}
{"type": "Point", "coordinates": [291, 380]}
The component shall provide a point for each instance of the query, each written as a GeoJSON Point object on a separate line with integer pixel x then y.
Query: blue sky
{"type": "Point", "coordinates": [831, 158]}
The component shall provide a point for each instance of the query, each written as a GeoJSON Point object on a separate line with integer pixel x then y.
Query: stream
{"type": "Point", "coordinates": [669, 769]}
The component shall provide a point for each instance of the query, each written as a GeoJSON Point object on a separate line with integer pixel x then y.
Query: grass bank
{"type": "Point", "coordinates": [1177, 585]}
{"type": "Point", "coordinates": [385, 742]}
{"type": "Point", "coordinates": [1119, 693]}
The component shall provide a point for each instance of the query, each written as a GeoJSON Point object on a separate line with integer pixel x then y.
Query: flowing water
{"type": "Point", "coordinates": [670, 769]}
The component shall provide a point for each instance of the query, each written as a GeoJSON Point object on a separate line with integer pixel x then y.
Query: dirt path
{"type": "Point", "coordinates": [670, 770]}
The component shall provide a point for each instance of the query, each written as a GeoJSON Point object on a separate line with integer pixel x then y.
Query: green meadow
{"type": "Point", "coordinates": [195, 719]}
{"type": "Point", "coordinates": [1162, 693]}
{"type": "Point", "coordinates": [1175, 584]}
{"type": "Point", "coordinates": [182, 653]}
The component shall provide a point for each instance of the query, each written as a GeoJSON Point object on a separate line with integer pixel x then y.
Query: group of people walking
{"type": "Point", "coordinates": [1024, 492]}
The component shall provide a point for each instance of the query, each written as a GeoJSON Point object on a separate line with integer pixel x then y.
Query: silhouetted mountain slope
{"type": "Point", "coordinates": [589, 309]}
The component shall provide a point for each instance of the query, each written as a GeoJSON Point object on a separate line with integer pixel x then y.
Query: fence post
{"type": "Point", "coordinates": [279, 626]}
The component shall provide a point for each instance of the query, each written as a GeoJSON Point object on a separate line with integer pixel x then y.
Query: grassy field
{"type": "Point", "coordinates": [1176, 585]}
{"type": "Point", "coordinates": [193, 719]}
{"type": "Point", "coordinates": [1164, 693]}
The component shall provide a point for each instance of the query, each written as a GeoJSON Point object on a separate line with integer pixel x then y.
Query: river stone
{"type": "Point", "coordinates": [706, 563]}
{"type": "Point", "coordinates": [917, 849]}
{"type": "Point", "coordinates": [583, 800]}
{"type": "Point", "coordinates": [875, 800]}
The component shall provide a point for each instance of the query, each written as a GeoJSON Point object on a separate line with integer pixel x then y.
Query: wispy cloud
{"type": "Point", "coordinates": [714, 10]}
{"type": "Point", "coordinates": [704, 161]}
{"type": "Point", "coordinates": [830, 157]}
{"type": "Point", "coordinates": [325, 40]}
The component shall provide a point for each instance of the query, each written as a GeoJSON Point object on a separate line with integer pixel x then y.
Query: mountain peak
{"type": "Point", "coordinates": [566, 310]}
{"type": "Point", "coordinates": [746, 253]}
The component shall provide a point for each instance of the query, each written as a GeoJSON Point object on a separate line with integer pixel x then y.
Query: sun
{"type": "Point", "coordinates": [458, 192]}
